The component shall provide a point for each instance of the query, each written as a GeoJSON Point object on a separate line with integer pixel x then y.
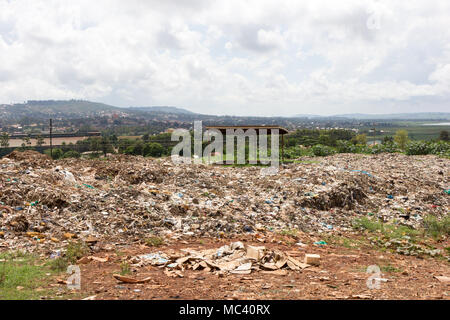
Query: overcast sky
{"type": "Point", "coordinates": [230, 57]}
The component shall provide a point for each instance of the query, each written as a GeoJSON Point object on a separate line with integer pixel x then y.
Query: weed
{"type": "Point", "coordinates": [58, 264]}
{"type": "Point", "coordinates": [125, 268]}
{"type": "Point", "coordinates": [154, 241]}
{"type": "Point", "coordinates": [389, 269]}
{"type": "Point", "coordinates": [75, 251]}
{"type": "Point", "coordinates": [436, 228]}
{"type": "Point", "coordinates": [289, 232]}
{"type": "Point", "coordinates": [389, 231]}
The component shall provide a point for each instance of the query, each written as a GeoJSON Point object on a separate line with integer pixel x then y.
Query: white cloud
{"type": "Point", "coordinates": [229, 57]}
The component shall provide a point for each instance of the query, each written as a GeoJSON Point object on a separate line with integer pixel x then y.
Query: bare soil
{"type": "Point", "coordinates": [341, 275]}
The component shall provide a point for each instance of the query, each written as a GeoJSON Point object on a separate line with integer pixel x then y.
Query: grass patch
{"type": "Point", "coordinates": [402, 239]}
{"type": "Point", "coordinates": [289, 232]}
{"type": "Point", "coordinates": [345, 242]}
{"type": "Point", "coordinates": [20, 275]}
{"type": "Point", "coordinates": [387, 268]}
{"type": "Point", "coordinates": [390, 269]}
{"type": "Point", "coordinates": [389, 231]}
{"type": "Point", "coordinates": [437, 228]}
{"type": "Point", "coordinates": [74, 251]}
{"type": "Point", "coordinates": [59, 264]}
{"type": "Point", "coordinates": [154, 241]}
{"type": "Point", "coordinates": [25, 276]}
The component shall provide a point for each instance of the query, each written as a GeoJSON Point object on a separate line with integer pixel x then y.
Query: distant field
{"type": "Point", "coordinates": [416, 130]}
{"type": "Point", "coordinates": [129, 137]}
{"type": "Point", "coordinates": [56, 141]}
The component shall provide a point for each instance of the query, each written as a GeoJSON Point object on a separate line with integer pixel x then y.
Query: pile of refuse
{"type": "Point", "coordinates": [234, 258]}
{"type": "Point", "coordinates": [45, 203]}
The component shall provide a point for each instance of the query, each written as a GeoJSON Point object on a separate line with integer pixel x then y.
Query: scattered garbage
{"type": "Point", "coordinates": [129, 198]}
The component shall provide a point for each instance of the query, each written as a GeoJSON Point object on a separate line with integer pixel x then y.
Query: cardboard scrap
{"type": "Point", "coordinates": [86, 260]}
{"type": "Point", "coordinates": [313, 259]}
{"type": "Point", "coordinates": [130, 280]}
{"type": "Point", "coordinates": [234, 258]}
{"type": "Point", "coordinates": [255, 253]}
{"type": "Point", "coordinates": [98, 259]}
{"type": "Point", "coordinates": [443, 278]}
{"type": "Point", "coordinates": [243, 269]}
{"type": "Point", "coordinates": [173, 274]}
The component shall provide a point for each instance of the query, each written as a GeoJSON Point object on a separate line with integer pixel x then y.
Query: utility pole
{"type": "Point", "coordinates": [51, 141]}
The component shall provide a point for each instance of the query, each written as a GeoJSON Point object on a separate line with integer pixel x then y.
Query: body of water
{"type": "Point", "coordinates": [437, 124]}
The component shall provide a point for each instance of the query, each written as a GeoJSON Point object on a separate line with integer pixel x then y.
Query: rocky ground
{"type": "Point", "coordinates": [352, 210]}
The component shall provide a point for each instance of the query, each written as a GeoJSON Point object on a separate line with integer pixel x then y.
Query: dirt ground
{"type": "Point", "coordinates": [341, 275]}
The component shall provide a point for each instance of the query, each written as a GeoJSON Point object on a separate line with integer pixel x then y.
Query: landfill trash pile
{"type": "Point", "coordinates": [45, 203]}
{"type": "Point", "coordinates": [234, 258]}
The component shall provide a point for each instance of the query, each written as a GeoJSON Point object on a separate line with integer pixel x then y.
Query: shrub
{"type": "Point", "coordinates": [322, 151]}
{"type": "Point", "coordinates": [57, 153]}
{"type": "Point", "coordinates": [384, 148]}
{"type": "Point", "coordinates": [360, 139]}
{"type": "Point", "coordinates": [437, 228]}
{"type": "Point", "coordinates": [71, 154]}
{"type": "Point", "coordinates": [297, 152]}
{"type": "Point", "coordinates": [153, 149]}
{"type": "Point", "coordinates": [75, 251]}
{"type": "Point", "coordinates": [440, 148]}
{"type": "Point", "coordinates": [417, 148]}
{"type": "Point", "coordinates": [345, 147]}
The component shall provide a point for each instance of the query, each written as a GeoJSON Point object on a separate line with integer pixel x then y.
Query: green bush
{"type": "Point", "coordinates": [384, 148]}
{"type": "Point", "coordinates": [297, 152]}
{"type": "Point", "coordinates": [71, 154]}
{"type": "Point", "coordinates": [322, 151]}
{"type": "Point", "coordinates": [57, 153]}
{"type": "Point", "coordinates": [345, 147]}
{"type": "Point", "coordinates": [129, 150]}
{"type": "Point", "coordinates": [440, 148]}
{"type": "Point", "coordinates": [153, 149]}
{"type": "Point", "coordinates": [417, 148]}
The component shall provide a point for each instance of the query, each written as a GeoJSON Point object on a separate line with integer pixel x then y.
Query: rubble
{"type": "Point", "coordinates": [234, 258]}
{"type": "Point", "coordinates": [124, 199]}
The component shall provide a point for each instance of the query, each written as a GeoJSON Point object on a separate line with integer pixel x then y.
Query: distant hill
{"type": "Point", "coordinates": [310, 116]}
{"type": "Point", "coordinates": [69, 109]}
{"type": "Point", "coordinates": [174, 110]}
{"type": "Point", "coordinates": [393, 116]}
{"type": "Point", "coordinates": [55, 108]}
{"type": "Point", "coordinates": [401, 116]}
{"type": "Point", "coordinates": [67, 106]}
